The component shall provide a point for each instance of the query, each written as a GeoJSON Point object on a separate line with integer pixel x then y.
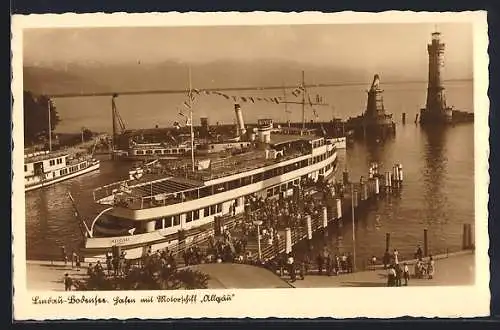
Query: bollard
{"type": "Point", "coordinates": [400, 166]}
{"type": "Point", "coordinates": [377, 186]}
{"type": "Point", "coordinates": [325, 217]}
{"type": "Point", "coordinates": [288, 240]}
{"type": "Point", "coordinates": [388, 180]}
{"type": "Point", "coordinates": [471, 237]}
{"type": "Point", "coordinates": [464, 237]}
{"type": "Point", "coordinates": [426, 244]}
{"type": "Point", "coordinates": [387, 241]}
{"type": "Point", "coordinates": [339, 208]}
{"type": "Point", "coordinates": [309, 227]}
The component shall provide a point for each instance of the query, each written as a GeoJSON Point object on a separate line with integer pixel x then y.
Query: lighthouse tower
{"type": "Point", "coordinates": [436, 111]}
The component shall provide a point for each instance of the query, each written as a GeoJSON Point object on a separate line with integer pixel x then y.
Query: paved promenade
{"type": "Point", "coordinates": [49, 276]}
{"type": "Point", "coordinates": [457, 269]}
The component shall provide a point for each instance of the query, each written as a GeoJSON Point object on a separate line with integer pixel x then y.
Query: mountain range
{"type": "Point", "coordinates": [95, 77]}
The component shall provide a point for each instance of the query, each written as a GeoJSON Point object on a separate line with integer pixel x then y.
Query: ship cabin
{"type": "Point", "coordinates": [195, 198]}
{"type": "Point", "coordinates": [44, 162]}
{"type": "Point", "coordinates": [158, 150]}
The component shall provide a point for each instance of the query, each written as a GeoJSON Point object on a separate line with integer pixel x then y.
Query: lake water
{"type": "Point", "coordinates": [438, 192]}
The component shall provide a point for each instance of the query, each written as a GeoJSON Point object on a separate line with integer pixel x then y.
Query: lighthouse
{"type": "Point", "coordinates": [436, 111]}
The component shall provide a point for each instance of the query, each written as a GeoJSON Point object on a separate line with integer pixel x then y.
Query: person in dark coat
{"type": "Point", "coordinates": [320, 262]}
{"type": "Point", "coordinates": [68, 282]}
{"type": "Point", "coordinates": [399, 274]}
{"type": "Point", "coordinates": [391, 276]}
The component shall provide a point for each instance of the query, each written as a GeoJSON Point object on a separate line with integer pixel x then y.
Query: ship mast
{"type": "Point", "coordinates": [287, 113]}
{"type": "Point", "coordinates": [191, 119]}
{"type": "Point", "coordinates": [50, 124]}
{"type": "Point", "coordinates": [303, 101]}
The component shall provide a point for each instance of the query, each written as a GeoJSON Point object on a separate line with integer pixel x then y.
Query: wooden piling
{"type": "Point", "coordinates": [426, 244]}
{"type": "Point", "coordinates": [404, 118]}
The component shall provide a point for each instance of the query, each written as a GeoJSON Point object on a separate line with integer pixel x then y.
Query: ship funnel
{"type": "Point", "coordinates": [240, 124]}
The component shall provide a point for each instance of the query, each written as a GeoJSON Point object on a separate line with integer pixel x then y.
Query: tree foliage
{"type": "Point", "coordinates": [36, 120]}
{"type": "Point", "coordinates": [148, 279]}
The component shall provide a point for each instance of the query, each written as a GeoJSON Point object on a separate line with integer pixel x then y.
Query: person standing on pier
{"type": "Point", "coordinates": [391, 276]}
{"type": "Point", "coordinates": [64, 255]}
{"type": "Point", "coordinates": [387, 259]}
{"type": "Point", "coordinates": [68, 282]}
{"type": "Point", "coordinates": [430, 268]}
{"type": "Point", "coordinates": [320, 261]}
{"type": "Point", "coordinates": [419, 254]}
{"type": "Point", "coordinates": [406, 273]}
{"type": "Point", "coordinates": [399, 273]}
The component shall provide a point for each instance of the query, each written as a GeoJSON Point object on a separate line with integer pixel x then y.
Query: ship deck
{"type": "Point", "coordinates": [174, 181]}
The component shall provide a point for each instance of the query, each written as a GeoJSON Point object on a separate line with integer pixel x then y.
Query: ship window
{"type": "Point", "coordinates": [182, 150]}
{"type": "Point", "coordinates": [283, 187]}
{"type": "Point", "coordinates": [157, 151]}
{"type": "Point", "coordinates": [177, 220]}
{"type": "Point", "coordinates": [205, 191]}
{"type": "Point", "coordinates": [289, 185]}
{"type": "Point", "coordinates": [212, 209]}
{"type": "Point", "coordinates": [219, 208]}
{"type": "Point", "coordinates": [158, 224]}
{"type": "Point", "coordinates": [25, 168]}
{"type": "Point", "coordinates": [174, 151]}
{"type": "Point", "coordinates": [168, 222]}
{"type": "Point", "coordinates": [206, 211]}
{"type": "Point", "coordinates": [149, 152]}
{"type": "Point", "coordinates": [213, 147]}
{"type": "Point", "coordinates": [236, 202]}
{"type": "Point", "coordinates": [276, 190]}
{"type": "Point", "coordinates": [189, 217]}
{"type": "Point", "coordinates": [52, 162]}
{"type": "Point", "coordinates": [139, 152]}
{"type": "Point", "coordinates": [257, 177]}
{"type": "Point", "coordinates": [82, 166]}
{"type": "Point", "coordinates": [246, 180]}
{"type": "Point", "coordinates": [167, 151]}
{"type": "Point", "coordinates": [269, 192]}
{"type": "Point", "coordinates": [196, 214]}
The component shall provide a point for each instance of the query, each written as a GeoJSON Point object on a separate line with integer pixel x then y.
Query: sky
{"type": "Point", "coordinates": [373, 46]}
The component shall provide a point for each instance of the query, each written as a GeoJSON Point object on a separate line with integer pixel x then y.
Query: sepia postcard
{"type": "Point", "coordinates": [250, 165]}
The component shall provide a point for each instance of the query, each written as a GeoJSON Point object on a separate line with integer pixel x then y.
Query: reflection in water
{"type": "Point", "coordinates": [434, 173]}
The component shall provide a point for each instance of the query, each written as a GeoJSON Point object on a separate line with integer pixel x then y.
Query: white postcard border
{"type": "Point", "coordinates": [291, 303]}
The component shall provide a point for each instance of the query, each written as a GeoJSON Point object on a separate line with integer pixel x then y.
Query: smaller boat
{"type": "Point", "coordinates": [138, 170]}
{"type": "Point", "coordinates": [45, 168]}
{"type": "Point", "coordinates": [338, 142]}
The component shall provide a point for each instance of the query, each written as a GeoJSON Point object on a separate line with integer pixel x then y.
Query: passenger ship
{"type": "Point", "coordinates": [160, 210]}
{"type": "Point", "coordinates": [45, 168]}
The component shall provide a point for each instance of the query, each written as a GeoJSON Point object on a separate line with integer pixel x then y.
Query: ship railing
{"type": "Point", "coordinates": [107, 190]}
{"type": "Point", "coordinates": [128, 199]}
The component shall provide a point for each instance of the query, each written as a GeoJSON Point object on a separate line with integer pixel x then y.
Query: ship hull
{"type": "Point", "coordinates": [45, 183]}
